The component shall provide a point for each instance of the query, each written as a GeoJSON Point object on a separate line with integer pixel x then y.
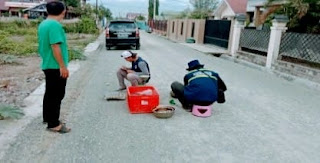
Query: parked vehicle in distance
{"type": "Point", "coordinates": [122, 32]}
{"type": "Point", "coordinates": [148, 29]}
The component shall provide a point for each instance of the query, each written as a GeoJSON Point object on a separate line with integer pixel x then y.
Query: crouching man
{"type": "Point", "coordinates": [201, 87]}
{"type": "Point", "coordinates": [138, 74]}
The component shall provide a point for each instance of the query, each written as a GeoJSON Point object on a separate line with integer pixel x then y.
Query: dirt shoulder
{"type": "Point", "coordinates": [20, 79]}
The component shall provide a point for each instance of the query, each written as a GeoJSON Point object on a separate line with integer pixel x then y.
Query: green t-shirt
{"type": "Point", "coordinates": [51, 32]}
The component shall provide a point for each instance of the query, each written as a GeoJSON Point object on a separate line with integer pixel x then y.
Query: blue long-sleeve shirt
{"type": "Point", "coordinates": [201, 85]}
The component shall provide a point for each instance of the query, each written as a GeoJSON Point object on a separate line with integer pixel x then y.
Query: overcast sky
{"type": "Point", "coordinates": [122, 7]}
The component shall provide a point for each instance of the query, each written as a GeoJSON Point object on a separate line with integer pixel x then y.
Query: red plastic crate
{"type": "Point", "coordinates": [142, 103]}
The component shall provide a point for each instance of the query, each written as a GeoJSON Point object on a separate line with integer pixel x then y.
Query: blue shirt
{"type": "Point", "coordinates": [201, 85]}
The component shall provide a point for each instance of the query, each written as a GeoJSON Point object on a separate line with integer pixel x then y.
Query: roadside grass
{"type": "Point", "coordinates": [8, 59]}
{"type": "Point", "coordinates": [9, 111]}
{"type": "Point", "coordinates": [19, 38]}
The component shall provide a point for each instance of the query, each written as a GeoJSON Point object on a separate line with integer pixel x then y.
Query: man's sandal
{"type": "Point", "coordinates": [172, 94]}
{"type": "Point", "coordinates": [62, 130]}
{"type": "Point", "coordinates": [45, 122]}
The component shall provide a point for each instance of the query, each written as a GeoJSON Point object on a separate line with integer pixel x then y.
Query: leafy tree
{"type": "Point", "coordinates": [90, 11]}
{"type": "Point", "coordinates": [304, 15]}
{"type": "Point", "coordinates": [184, 14]}
{"type": "Point", "coordinates": [140, 17]}
{"type": "Point", "coordinates": [151, 8]}
{"type": "Point", "coordinates": [204, 4]}
{"type": "Point", "coordinates": [202, 8]}
{"type": "Point", "coordinates": [85, 11]}
{"type": "Point", "coordinates": [104, 12]}
{"type": "Point", "coordinates": [72, 3]}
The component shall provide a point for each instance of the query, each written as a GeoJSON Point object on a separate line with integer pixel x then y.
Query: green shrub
{"type": "Point", "coordinates": [21, 23]}
{"type": "Point", "coordinates": [76, 54]}
{"type": "Point", "coordinates": [7, 46]}
{"type": "Point", "coordinates": [85, 25]}
{"type": "Point", "coordinates": [71, 28]}
{"type": "Point", "coordinates": [31, 38]}
{"type": "Point", "coordinates": [33, 32]}
{"type": "Point", "coordinates": [8, 25]}
{"type": "Point", "coordinates": [11, 44]}
{"type": "Point", "coordinates": [27, 49]}
{"type": "Point", "coordinates": [13, 31]}
{"type": "Point", "coordinates": [24, 48]}
{"type": "Point", "coordinates": [9, 111]}
{"type": "Point", "coordinates": [4, 33]}
{"type": "Point", "coordinates": [35, 23]}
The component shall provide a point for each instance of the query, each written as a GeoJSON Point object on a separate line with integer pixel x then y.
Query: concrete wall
{"type": "Point", "coordinates": [308, 73]}
{"type": "Point", "coordinates": [163, 33]}
{"type": "Point", "coordinates": [181, 29]}
{"type": "Point", "coordinates": [231, 34]}
{"type": "Point", "coordinates": [311, 74]}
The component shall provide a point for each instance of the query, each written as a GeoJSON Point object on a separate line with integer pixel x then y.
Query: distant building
{"type": "Point", "coordinates": [166, 15]}
{"type": "Point", "coordinates": [14, 7]}
{"type": "Point", "coordinates": [256, 10]}
{"type": "Point", "coordinates": [133, 16]}
{"type": "Point", "coordinates": [228, 9]}
{"type": "Point", "coordinates": [36, 11]}
{"type": "Point", "coordinates": [3, 8]}
{"type": "Point", "coordinates": [41, 11]}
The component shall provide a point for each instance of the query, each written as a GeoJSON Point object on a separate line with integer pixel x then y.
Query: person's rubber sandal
{"type": "Point", "coordinates": [173, 95]}
{"type": "Point", "coordinates": [45, 122]}
{"type": "Point", "coordinates": [187, 108]}
{"type": "Point", "coordinates": [62, 130]}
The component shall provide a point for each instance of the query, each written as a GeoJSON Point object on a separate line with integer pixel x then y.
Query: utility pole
{"type": "Point", "coordinates": [97, 10]}
{"type": "Point", "coordinates": [154, 9]}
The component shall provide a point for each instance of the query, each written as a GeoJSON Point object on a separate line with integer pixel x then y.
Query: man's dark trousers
{"type": "Point", "coordinates": [55, 91]}
{"type": "Point", "coordinates": [178, 88]}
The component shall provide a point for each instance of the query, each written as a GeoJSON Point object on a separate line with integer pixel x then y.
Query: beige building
{"type": "Point", "coordinates": [181, 29]}
{"type": "Point", "coordinates": [228, 9]}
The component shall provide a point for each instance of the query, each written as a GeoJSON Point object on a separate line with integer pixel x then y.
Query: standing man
{"type": "Point", "coordinates": [54, 54]}
{"type": "Point", "coordinates": [139, 73]}
{"type": "Point", "coordinates": [201, 87]}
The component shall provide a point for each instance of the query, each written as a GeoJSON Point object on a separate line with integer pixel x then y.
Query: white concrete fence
{"type": "Point", "coordinates": [278, 28]}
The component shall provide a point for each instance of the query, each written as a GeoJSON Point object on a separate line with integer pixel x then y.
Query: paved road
{"type": "Point", "coordinates": [265, 118]}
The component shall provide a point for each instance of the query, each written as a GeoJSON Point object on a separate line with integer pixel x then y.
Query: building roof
{"type": "Point", "coordinates": [2, 6]}
{"type": "Point", "coordinates": [233, 7]}
{"type": "Point", "coordinates": [40, 8]}
{"type": "Point", "coordinates": [238, 6]}
{"type": "Point", "coordinates": [131, 14]}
